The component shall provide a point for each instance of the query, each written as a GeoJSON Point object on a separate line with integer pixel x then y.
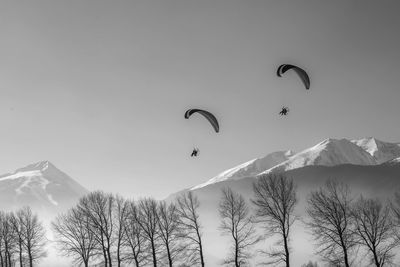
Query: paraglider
{"type": "Point", "coordinates": [209, 116]}
{"type": "Point", "coordinates": [300, 72]}
{"type": "Point", "coordinates": [284, 111]}
{"type": "Point", "coordinates": [195, 152]}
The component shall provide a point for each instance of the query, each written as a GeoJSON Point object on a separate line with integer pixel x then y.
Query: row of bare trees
{"type": "Point", "coordinates": [22, 238]}
{"type": "Point", "coordinates": [274, 201]}
{"type": "Point", "coordinates": [342, 226]}
{"type": "Point", "coordinates": [110, 230]}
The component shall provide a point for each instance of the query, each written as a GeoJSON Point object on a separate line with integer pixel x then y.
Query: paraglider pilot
{"type": "Point", "coordinates": [194, 152]}
{"type": "Point", "coordinates": [284, 111]}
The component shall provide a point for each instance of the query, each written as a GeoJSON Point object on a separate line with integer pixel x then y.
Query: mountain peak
{"type": "Point", "coordinates": [332, 141]}
{"type": "Point", "coordinates": [40, 184]}
{"type": "Point", "coordinates": [40, 166]}
{"type": "Point", "coordinates": [329, 152]}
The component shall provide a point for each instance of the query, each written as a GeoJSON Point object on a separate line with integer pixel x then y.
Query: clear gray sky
{"type": "Point", "coordinates": [99, 88]}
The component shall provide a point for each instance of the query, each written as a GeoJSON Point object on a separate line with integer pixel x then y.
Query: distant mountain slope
{"type": "Point", "coordinates": [381, 151]}
{"type": "Point", "coordinates": [250, 168]}
{"type": "Point", "coordinates": [41, 186]}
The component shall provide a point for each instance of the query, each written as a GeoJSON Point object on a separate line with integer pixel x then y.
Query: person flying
{"type": "Point", "coordinates": [284, 111]}
{"type": "Point", "coordinates": [194, 152]}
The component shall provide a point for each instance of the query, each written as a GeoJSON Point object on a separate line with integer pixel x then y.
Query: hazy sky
{"type": "Point", "coordinates": [99, 88]}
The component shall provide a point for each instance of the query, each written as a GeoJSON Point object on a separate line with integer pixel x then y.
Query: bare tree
{"type": "Point", "coordinates": [375, 230]}
{"type": "Point", "coordinates": [395, 208]}
{"type": "Point", "coordinates": [33, 234]}
{"type": "Point", "coordinates": [16, 222]}
{"type": "Point", "coordinates": [331, 223]}
{"type": "Point", "coordinates": [134, 236]}
{"type": "Point", "coordinates": [188, 206]}
{"type": "Point", "coordinates": [74, 236]}
{"type": "Point", "coordinates": [168, 223]}
{"type": "Point", "coordinates": [148, 221]}
{"type": "Point", "coordinates": [99, 208]}
{"type": "Point", "coordinates": [121, 213]}
{"type": "Point", "coordinates": [275, 199]}
{"type": "Point", "coordinates": [7, 239]}
{"type": "Point", "coordinates": [237, 222]}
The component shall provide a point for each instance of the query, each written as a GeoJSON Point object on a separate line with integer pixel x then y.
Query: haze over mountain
{"type": "Point", "coordinates": [369, 166]}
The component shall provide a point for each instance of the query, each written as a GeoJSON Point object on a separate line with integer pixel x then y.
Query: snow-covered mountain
{"type": "Point", "coordinates": [42, 186]}
{"type": "Point", "coordinates": [329, 152]}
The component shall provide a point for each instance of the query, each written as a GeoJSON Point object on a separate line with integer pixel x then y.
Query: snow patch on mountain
{"type": "Point", "coordinates": [381, 151]}
{"type": "Point", "coordinates": [44, 184]}
{"type": "Point", "coordinates": [392, 162]}
{"type": "Point", "coordinates": [396, 160]}
{"type": "Point", "coordinates": [17, 175]}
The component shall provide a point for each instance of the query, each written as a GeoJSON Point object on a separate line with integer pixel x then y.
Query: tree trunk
{"type": "Point", "coordinates": [30, 257]}
{"type": "Point", "coordinates": [169, 255]}
{"type": "Point", "coordinates": [10, 263]}
{"type": "Point", "coordinates": [346, 258]}
{"type": "Point", "coordinates": [20, 253]}
{"type": "Point", "coordinates": [135, 256]}
{"type": "Point", "coordinates": [109, 256]}
{"type": "Point", "coordinates": [118, 256]}
{"type": "Point", "coordinates": [105, 257]}
{"type": "Point", "coordinates": [5, 259]}
{"type": "Point", "coordinates": [154, 253]}
{"type": "Point", "coordinates": [285, 241]}
{"type": "Point", "coordinates": [103, 247]}
{"type": "Point", "coordinates": [377, 263]}
{"type": "Point", "coordinates": [236, 253]}
{"type": "Point", "coordinates": [200, 248]}
{"type": "Point", "coordinates": [5, 254]}
{"type": "Point", "coordinates": [9, 259]}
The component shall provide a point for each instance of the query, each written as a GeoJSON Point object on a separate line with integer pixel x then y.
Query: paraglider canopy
{"type": "Point", "coordinates": [209, 116]}
{"type": "Point", "coordinates": [300, 72]}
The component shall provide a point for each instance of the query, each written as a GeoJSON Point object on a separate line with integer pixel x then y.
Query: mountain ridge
{"type": "Point", "coordinates": [329, 152]}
